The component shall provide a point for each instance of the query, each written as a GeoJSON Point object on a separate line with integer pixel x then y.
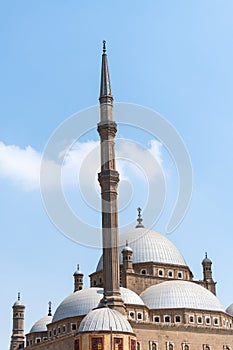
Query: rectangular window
{"type": "Point", "coordinates": [191, 319]}
{"type": "Point", "coordinates": [73, 326]}
{"type": "Point", "coordinates": [156, 319]}
{"type": "Point", "coordinates": [97, 343]}
{"type": "Point", "coordinates": [133, 344]}
{"type": "Point", "coordinates": [76, 344]}
{"type": "Point", "coordinates": [118, 343]}
{"type": "Point", "coordinates": [177, 319]}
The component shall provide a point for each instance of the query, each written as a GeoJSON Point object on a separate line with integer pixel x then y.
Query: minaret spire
{"type": "Point", "coordinates": [105, 86]}
{"type": "Point", "coordinates": [108, 179]}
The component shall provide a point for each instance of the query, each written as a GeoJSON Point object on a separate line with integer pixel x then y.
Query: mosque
{"type": "Point", "coordinates": [142, 296]}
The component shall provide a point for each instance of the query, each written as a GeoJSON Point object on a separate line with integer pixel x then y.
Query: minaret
{"type": "Point", "coordinates": [17, 338]}
{"type": "Point", "coordinates": [108, 179]}
{"type": "Point", "coordinates": [207, 275]}
{"type": "Point", "coordinates": [78, 280]}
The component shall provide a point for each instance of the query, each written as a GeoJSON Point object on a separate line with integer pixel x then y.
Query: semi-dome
{"type": "Point", "coordinates": [83, 301]}
{"type": "Point", "coordinates": [229, 309]}
{"type": "Point", "coordinates": [180, 294]}
{"type": "Point", "coordinates": [40, 326]}
{"type": "Point", "coordinates": [148, 245]}
{"type": "Point", "coordinates": [105, 319]}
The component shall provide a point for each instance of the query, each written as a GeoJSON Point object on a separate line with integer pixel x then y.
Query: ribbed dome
{"type": "Point", "coordinates": [40, 326]}
{"type": "Point", "coordinates": [229, 310]}
{"type": "Point", "coordinates": [83, 301]}
{"type": "Point", "coordinates": [180, 294]}
{"type": "Point", "coordinates": [148, 245]}
{"type": "Point", "coordinates": [105, 319]}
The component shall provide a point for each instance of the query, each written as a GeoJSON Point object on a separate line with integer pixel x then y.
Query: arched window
{"type": "Point", "coordinates": [154, 346]}
{"type": "Point", "coordinates": [138, 346]}
{"type": "Point", "coordinates": [143, 271]}
{"type": "Point", "coordinates": [160, 273]}
{"type": "Point", "coordinates": [170, 347]}
{"type": "Point", "coordinates": [186, 347]}
{"type": "Point", "coordinates": [167, 319]}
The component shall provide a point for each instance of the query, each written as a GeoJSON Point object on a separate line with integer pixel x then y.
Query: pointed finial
{"type": "Point", "coordinates": [50, 309]}
{"type": "Point", "coordinates": [206, 255]}
{"type": "Point", "coordinates": [78, 267]}
{"type": "Point", "coordinates": [126, 243]}
{"type": "Point", "coordinates": [104, 46]}
{"type": "Point", "coordinates": [18, 295]}
{"type": "Point", "coordinates": [139, 219]}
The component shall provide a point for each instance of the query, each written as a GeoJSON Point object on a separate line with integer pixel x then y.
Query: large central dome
{"type": "Point", "coordinates": [149, 245]}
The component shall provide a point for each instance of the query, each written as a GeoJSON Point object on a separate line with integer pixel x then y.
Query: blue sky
{"type": "Point", "coordinates": [174, 57]}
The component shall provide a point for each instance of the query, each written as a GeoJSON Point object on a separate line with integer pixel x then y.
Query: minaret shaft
{"type": "Point", "coordinates": [108, 179]}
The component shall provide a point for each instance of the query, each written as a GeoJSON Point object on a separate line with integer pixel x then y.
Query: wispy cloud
{"type": "Point", "coordinates": [22, 166]}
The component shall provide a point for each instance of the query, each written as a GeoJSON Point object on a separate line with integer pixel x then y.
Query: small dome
{"type": "Point", "coordinates": [127, 248]}
{"type": "Point", "coordinates": [148, 245]}
{"type": "Point", "coordinates": [78, 303]}
{"type": "Point", "coordinates": [105, 319]}
{"type": "Point", "coordinates": [206, 259]}
{"type": "Point", "coordinates": [229, 310]}
{"type": "Point", "coordinates": [78, 272]}
{"type": "Point", "coordinates": [40, 326]}
{"type": "Point", "coordinates": [83, 301]}
{"type": "Point", "coordinates": [180, 294]}
{"type": "Point", "coordinates": [18, 303]}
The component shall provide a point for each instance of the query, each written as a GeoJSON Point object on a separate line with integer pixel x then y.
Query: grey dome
{"type": "Point", "coordinates": [18, 303]}
{"type": "Point", "coordinates": [229, 310]}
{"type": "Point", "coordinates": [180, 294]}
{"type": "Point", "coordinates": [105, 319]}
{"type": "Point", "coordinates": [40, 326]}
{"type": "Point", "coordinates": [83, 301]}
{"type": "Point", "coordinates": [148, 245]}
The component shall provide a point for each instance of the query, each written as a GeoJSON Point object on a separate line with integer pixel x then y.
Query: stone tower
{"type": "Point", "coordinates": [108, 179]}
{"type": "Point", "coordinates": [207, 274]}
{"type": "Point", "coordinates": [78, 280]}
{"type": "Point", "coordinates": [17, 338]}
{"type": "Point", "coordinates": [127, 254]}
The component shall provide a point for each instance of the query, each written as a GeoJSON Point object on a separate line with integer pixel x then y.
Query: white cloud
{"type": "Point", "coordinates": [22, 166]}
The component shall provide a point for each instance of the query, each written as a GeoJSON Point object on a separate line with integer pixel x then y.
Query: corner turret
{"type": "Point", "coordinates": [17, 338]}
{"type": "Point", "coordinates": [207, 275]}
{"type": "Point", "coordinates": [78, 279]}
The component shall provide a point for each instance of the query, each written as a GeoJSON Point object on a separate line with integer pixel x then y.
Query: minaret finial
{"type": "Point", "coordinates": [126, 243]}
{"type": "Point", "coordinates": [50, 309]}
{"type": "Point", "coordinates": [78, 267]}
{"type": "Point", "coordinates": [206, 255]}
{"type": "Point", "coordinates": [18, 295]}
{"type": "Point", "coordinates": [104, 46]}
{"type": "Point", "coordinates": [139, 219]}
